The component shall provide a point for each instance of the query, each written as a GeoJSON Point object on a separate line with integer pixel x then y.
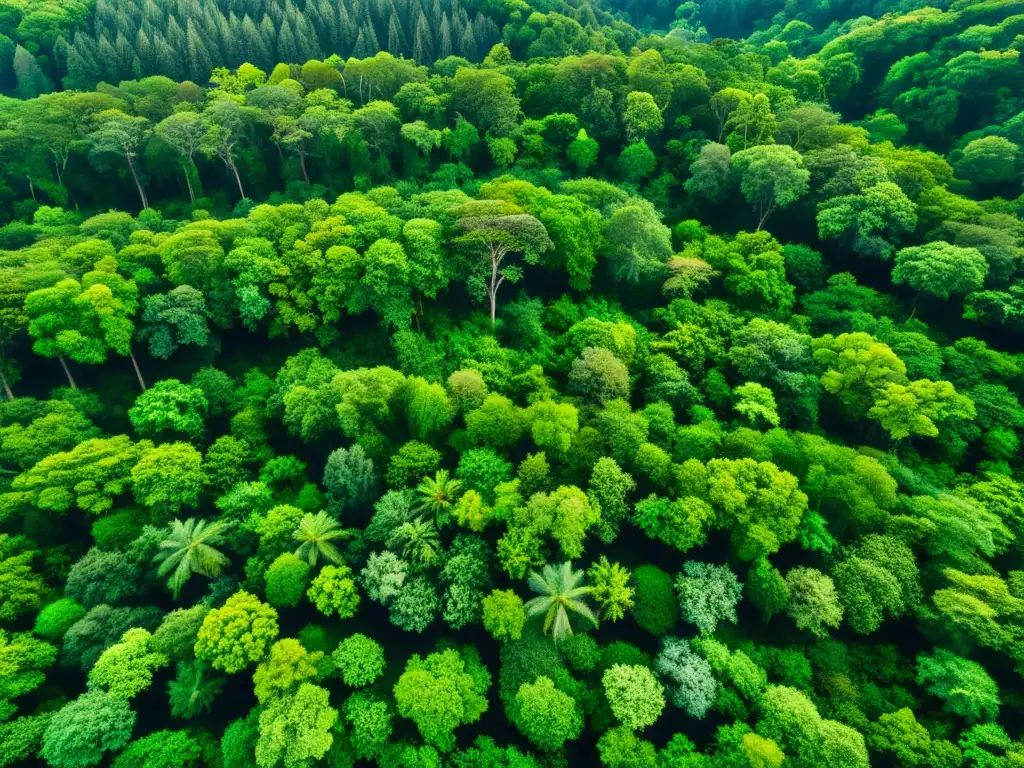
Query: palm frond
{"type": "Point", "coordinates": [559, 593]}
{"type": "Point", "coordinates": [190, 547]}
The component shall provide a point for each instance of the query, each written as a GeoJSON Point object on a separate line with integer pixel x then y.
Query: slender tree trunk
{"type": "Point", "coordinates": [138, 373]}
{"type": "Point", "coordinates": [302, 163]}
{"type": "Point", "coordinates": [138, 184]}
{"type": "Point", "coordinates": [238, 179]}
{"type": "Point", "coordinates": [764, 216]}
{"type": "Point", "coordinates": [60, 172]}
{"type": "Point", "coordinates": [188, 183]}
{"type": "Point", "coordinates": [7, 387]}
{"type": "Point", "coordinates": [31, 187]}
{"type": "Point", "coordinates": [913, 306]}
{"type": "Point", "coordinates": [67, 371]}
{"type": "Point", "coordinates": [493, 290]}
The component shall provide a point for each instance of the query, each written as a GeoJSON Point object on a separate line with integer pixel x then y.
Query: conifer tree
{"type": "Point", "coordinates": [200, 61]}
{"type": "Point", "coordinates": [444, 48]}
{"type": "Point", "coordinates": [287, 47]}
{"type": "Point", "coordinates": [467, 44]}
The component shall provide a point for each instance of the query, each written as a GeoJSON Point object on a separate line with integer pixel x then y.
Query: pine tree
{"type": "Point", "coordinates": [395, 46]}
{"type": "Point", "coordinates": [152, 15]}
{"type": "Point", "coordinates": [175, 37]}
{"type": "Point", "coordinates": [269, 34]}
{"type": "Point", "coordinates": [467, 44]}
{"type": "Point", "coordinates": [108, 61]}
{"type": "Point", "coordinates": [144, 49]}
{"type": "Point", "coordinates": [445, 38]}
{"type": "Point", "coordinates": [227, 38]}
{"type": "Point", "coordinates": [166, 61]}
{"type": "Point", "coordinates": [276, 13]}
{"type": "Point", "coordinates": [252, 48]}
{"type": "Point", "coordinates": [329, 26]}
{"type": "Point", "coordinates": [486, 33]}
{"type": "Point", "coordinates": [105, 14]}
{"type": "Point", "coordinates": [287, 48]}
{"type": "Point", "coordinates": [306, 39]}
{"type": "Point", "coordinates": [371, 40]}
{"type": "Point", "coordinates": [423, 44]}
{"type": "Point", "coordinates": [83, 67]}
{"type": "Point", "coordinates": [32, 81]}
{"type": "Point", "coordinates": [125, 56]}
{"type": "Point", "coordinates": [200, 62]}
{"type": "Point", "coordinates": [349, 33]}
{"type": "Point", "coordinates": [124, 23]}
{"type": "Point", "coordinates": [360, 49]}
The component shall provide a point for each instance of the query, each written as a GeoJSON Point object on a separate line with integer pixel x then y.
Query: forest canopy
{"type": "Point", "coordinates": [511, 383]}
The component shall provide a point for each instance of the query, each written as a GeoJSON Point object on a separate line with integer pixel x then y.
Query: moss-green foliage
{"type": "Point", "coordinates": [628, 355]}
{"type": "Point", "coordinates": [441, 692]}
{"type": "Point", "coordinates": [359, 660]}
{"type": "Point", "coordinates": [654, 606]}
{"type": "Point", "coordinates": [236, 634]}
{"type": "Point", "coordinates": [286, 580]}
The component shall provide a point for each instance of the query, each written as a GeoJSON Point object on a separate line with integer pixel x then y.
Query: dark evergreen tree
{"type": "Point", "coordinates": [200, 60]}
{"type": "Point", "coordinates": [467, 43]}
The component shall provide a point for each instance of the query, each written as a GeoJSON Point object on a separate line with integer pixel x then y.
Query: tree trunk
{"type": "Point", "coordinates": [138, 373]}
{"type": "Point", "coordinates": [60, 172]}
{"type": "Point", "coordinates": [493, 290]}
{"type": "Point", "coordinates": [765, 215]}
{"type": "Point", "coordinates": [138, 184]}
{"type": "Point", "coordinates": [67, 371]}
{"type": "Point", "coordinates": [7, 387]}
{"type": "Point", "coordinates": [31, 188]}
{"type": "Point", "coordinates": [913, 306]}
{"type": "Point", "coordinates": [238, 179]}
{"type": "Point", "coordinates": [188, 180]}
{"type": "Point", "coordinates": [302, 163]}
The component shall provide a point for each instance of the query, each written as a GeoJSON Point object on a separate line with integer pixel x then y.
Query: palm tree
{"type": "Point", "coordinates": [190, 548]}
{"type": "Point", "coordinates": [317, 534]}
{"type": "Point", "coordinates": [192, 692]}
{"type": "Point", "coordinates": [438, 494]}
{"type": "Point", "coordinates": [559, 593]}
{"type": "Point", "coordinates": [417, 539]}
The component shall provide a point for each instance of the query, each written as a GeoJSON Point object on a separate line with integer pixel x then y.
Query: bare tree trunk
{"type": "Point", "coordinates": [67, 371]}
{"type": "Point", "coordinates": [7, 387]}
{"type": "Point", "coordinates": [60, 171]}
{"type": "Point", "coordinates": [766, 213]}
{"type": "Point", "coordinates": [138, 373]}
{"type": "Point", "coordinates": [138, 184]}
{"type": "Point", "coordinates": [913, 306]}
{"type": "Point", "coordinates": [31, 188]}
{"type": "Point", "coordinates": [238, 179]}
{"type": "Point", "coordinates": [302, 163]}
{"type": "Point", "coordinates": [493, 290]}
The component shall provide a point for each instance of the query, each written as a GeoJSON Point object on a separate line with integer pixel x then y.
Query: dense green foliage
{"type": "Point", "coordinates": [511, 383]}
